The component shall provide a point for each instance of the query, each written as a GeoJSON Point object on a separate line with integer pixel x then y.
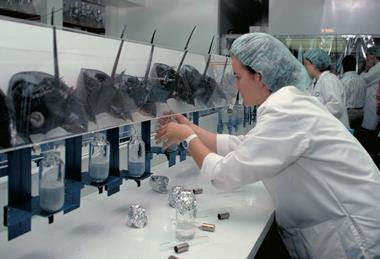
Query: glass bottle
{"type": "Point", "coordinates": [136, 156]}
{"type": "Point", "coordinates": [51, 182]}
{"type": "Point", "coordinates": [99, 158]}
{"type": "Point", "coordinates": [173, 147]}
{"type": "Point", "coordinates": [186, 208]}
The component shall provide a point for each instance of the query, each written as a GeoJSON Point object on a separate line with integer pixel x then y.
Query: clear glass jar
{"type": "Point", "coordinates": [51, 182]}
{"type": "Point", "coordinates": [185, 215]}
{"type": "Point", "coordinates": [136, 156]}
{"type": "Point", "coordinates": [171, 148]}
{"type": "Point", "coordinates": [99, 158]}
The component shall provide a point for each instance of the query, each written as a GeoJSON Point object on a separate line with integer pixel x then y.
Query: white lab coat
{"type": "Point", "coordinates": [324, 186]}
{"type": "Point", "coordinates": [354, 88]}
{"type": "Point", "coordinates": [370, 118]}
{"type": "Point", "coordinates": [330, 92]}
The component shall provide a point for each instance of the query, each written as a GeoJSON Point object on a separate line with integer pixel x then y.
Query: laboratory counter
{"type": "Point", "coordinates": [98, 229]}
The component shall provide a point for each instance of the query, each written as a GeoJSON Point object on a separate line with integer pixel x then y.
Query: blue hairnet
{"type": "Point", "coordinates": [374, 51]}
{"type": "Point", "coordinates": [319, 58]}
{"type": "Point", "coordinates": [270, 57]}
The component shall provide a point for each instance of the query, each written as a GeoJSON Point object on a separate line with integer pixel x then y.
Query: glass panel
{"type": "Point", "coordinates": [85, 95]}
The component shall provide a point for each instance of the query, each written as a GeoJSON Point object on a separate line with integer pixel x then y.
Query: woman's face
{"type": "Point", "coordinates": [370, 60]}
{"type": "Point", "coordinates": [310, 68]}
{"type": "Point", "coordinates": [249, 85]}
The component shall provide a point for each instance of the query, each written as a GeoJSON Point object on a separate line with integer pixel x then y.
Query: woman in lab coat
{"type": "Point", "coordinates": [326, 86]}
{"type": "Point", "coordinates": [372, 77]}
{"type": "Point", "coordinates": [368, 134]}
{"type": "Point", "coordinates": [324, 186]}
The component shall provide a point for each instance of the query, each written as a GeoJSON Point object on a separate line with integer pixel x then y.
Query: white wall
{"type": "Point", "coordinates": [174, 20]}
{"type": "Point", "coordinates": [292, 17]}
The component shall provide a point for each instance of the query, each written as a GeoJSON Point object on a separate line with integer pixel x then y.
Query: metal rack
{"type": "Point", "coordinates": [22, 205]}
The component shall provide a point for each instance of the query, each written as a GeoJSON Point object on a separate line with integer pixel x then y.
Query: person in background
{"type": "Point", "coordinates": [326, 86]}
{"type": "Point", "coordinates": [377, 154]}
{"type": "Point", "coordinates": [354, 87]}
{"type": "Point", "coordinates": [324, 186]}
{"type": "Point", "coordinates": [367, 134]}
{"type": "Point", "coordinates": [378, 100]}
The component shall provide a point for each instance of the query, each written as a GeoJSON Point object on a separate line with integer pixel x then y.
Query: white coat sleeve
{"type": "Point", "coordinates": [372, 75]}
{"type": "Point", "coordinates": [333, 96]}
{"type": "Point", "coordinates": [273, 145]}
{"type": "Point", "coordinates": [226, 143]}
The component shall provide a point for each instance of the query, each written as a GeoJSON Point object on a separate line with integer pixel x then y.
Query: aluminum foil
{"type": "Point", "coordinates": [137, 217]}
{"type": "Point", "coordinates": [159, 183]}
{"type": "Point", "coordinates": [173, 194]}
{"type": "Point", "coordinates": [186, 201]}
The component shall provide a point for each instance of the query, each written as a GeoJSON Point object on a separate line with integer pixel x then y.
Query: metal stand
{"type": "Point", "coordinates": [114, 180]}
{"type": "Point", "coordinates": [21, 204]}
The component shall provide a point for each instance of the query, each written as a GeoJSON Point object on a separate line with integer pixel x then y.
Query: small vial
{"type": "Point", "coordinates": [181, 248]}
{"type": "Point", "coordinates": [207, 227]}
{"type": "Point", "coordinates": [197, 191]}
{"type": "Point", "coordinates": [223, 215]}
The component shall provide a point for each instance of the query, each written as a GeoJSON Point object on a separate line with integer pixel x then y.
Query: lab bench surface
{"type": "Point", "coordinates": [98, 229]}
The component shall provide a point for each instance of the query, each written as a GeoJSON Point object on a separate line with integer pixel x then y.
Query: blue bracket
{"type": "Point", "coordinates": [182, 153]}
{"type": "Point", "coordinates": [220, 126]}
{"type": "Point", "coordinates": [73, 157]}
{"type": "Point", "coordinates": [17, 215]}
{"type": "Point", "coordinates": [114, 180]}
{"type": "Point", "coordinates": [73, 177]}
{"type": "Point", "coordinates": [245, 116]}
{"type": "Point", "coordinates": [18, 221]}
{"type": "Point", "coordinates": [249, 115]}
{"type": "Point", "coordinates": [145, 134]}
{"type": "Point", "coordinates": [253, 112]}
{"type": "Point", "coordinates": [171, 156]}
{"type": "Point", "coordinates": [196, 118]}
{"type": "Point", "coordinates": [229, 127]}
{"type": "Point", "coordinates": [138, 180]}
{"type": "Point", "coordinates": [73, 173]}
{"type": "Point", "coordinates": [72, 195]}
{"type": "Point", "coordinates": [113, 185]}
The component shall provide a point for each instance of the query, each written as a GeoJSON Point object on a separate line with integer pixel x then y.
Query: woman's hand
{"type": "Point", "coordinates": [179, 118]}
{"type": "Point", "coordinates": [182, 120]}
{"type": "Point", "coordinates": [172, 133]}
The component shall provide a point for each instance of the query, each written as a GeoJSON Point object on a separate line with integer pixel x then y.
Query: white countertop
{"type": "Point", "coordinates": [98, 228]}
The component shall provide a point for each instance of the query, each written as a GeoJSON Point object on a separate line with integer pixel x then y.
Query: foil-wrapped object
{"type": "Point", "coordinates": [159, 183]}
{"type": "Point", "coordinates": [186, 201]}
{"type": "Point", "coordinates": [137, 217]}
{"type": "Point", "coordinates": [173, 194]}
